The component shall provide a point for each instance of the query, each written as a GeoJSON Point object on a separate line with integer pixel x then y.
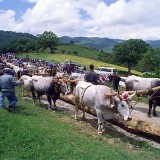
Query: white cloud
{"type": "Point", "coordinates": [7, 20]}
{"type": "Point", "coordinates": [122, 19]}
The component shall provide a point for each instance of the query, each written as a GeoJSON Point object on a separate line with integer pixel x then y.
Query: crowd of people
{"type": "Point", "coordinates": [8, 80]}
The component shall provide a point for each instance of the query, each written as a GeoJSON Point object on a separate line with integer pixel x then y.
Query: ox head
{"type": "Point", "coordinates": [61, 86]}
{"type": "Point", "coordinates": [120, 105]}
{"type": "Point", "coordinates": [123, 109]}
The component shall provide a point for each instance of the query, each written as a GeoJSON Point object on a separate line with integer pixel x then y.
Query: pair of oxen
{"type": "Point", "coordinates": [99, 97]}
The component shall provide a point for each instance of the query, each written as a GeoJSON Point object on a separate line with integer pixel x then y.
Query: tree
{"type": "Point", "coordinates": [63, 51]}
{"type": "Point", "coordinates": [130, 52]}
{"type": "Point", "coordinates": [48, 40]}
{"type": "Point", "coordinates": [150, 62]}
{"type": "Point", "coordinates": [106, 57]}
{"type": "Point", "coordinates": [71, 42]}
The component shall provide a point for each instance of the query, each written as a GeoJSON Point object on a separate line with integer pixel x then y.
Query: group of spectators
{"type": "Point", "coordinates": [8, 80]}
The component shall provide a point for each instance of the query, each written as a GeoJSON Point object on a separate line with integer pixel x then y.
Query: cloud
{"type": "Point", "coordinates": [122, 19]}
{"type": "Point", "coordinates": [7, 20]}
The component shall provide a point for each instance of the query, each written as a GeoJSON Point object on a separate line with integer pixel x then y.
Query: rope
{"type": "Point", "coordinates": [138, 99]}
{"type": "Point", "coordinates": [153, 94]}
{"type": "Point", "coordinates": [83, 94]}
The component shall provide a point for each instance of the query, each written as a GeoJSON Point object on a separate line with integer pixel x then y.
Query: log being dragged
{"type": "Point", "coordinates": [137, 126]}
{"type": "Point", "coordinates": [138, 92]}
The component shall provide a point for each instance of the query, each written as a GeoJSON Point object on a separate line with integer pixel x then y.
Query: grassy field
{"type": "Point", "coordinates": [81, 60]}
{"type": "Point", "coordinates": [90, 53]}
{"type": "Point", "coordinates": [34, 133]}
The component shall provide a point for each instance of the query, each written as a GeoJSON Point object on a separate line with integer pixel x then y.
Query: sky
{"type": "Point", "coordinates": [115, 19]}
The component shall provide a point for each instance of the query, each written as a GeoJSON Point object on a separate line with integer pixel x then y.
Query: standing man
{"type": "Point", "coordinates": [8, 83]}
{"type": "Point", "coordinates": [115, 81]}
{"type": "Point", "coordinates": [91, 76]}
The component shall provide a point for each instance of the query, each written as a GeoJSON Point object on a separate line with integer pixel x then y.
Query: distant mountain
{"type": "Point", "coordinates": [154, 44]}
{"type": "Point", "coordinates": [105, 44]}
{"type": "Point", "coordinates": [93, 42]}
{"type": "Point", "coordinates": [6, 36]}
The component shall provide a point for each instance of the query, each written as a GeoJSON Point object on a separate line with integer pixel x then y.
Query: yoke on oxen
{"type": "Point", "coordinates": [152, 94]}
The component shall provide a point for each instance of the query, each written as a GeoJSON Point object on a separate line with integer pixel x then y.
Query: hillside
{"type": "Point", "coordinates": [6, 36]}
{"type": "Point", "coordinates": [97, 43]}
{"type": "Point", "coordinates": [105, 44]}
{"type": "Point", "coordinates": [81, 51]}
{"type": "Point", "coordinates": [80, 60]}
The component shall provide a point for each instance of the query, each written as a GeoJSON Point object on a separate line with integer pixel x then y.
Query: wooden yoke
{"type": "Point", "coordinates": [143, 92]}
{"type": "Point", "coordinates": [138, 92]}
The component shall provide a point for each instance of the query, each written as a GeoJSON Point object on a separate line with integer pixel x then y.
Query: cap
{"type": "Point", "coordinates": [7, 70]}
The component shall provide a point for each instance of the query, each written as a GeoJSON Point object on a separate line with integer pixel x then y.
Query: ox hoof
{"type": "Point", "coordinates": [100, 132]}
{"type": "Point", "coordinates": [83, 118]}
{"type": "Point", "coordinates": [155, 114]}
{"type": "Point", "coordinates": [55, 108]}
{"type": "Point", "coordinates": [111, 106]}
{"type": "Point", "coordinates": [76, 118]}
{"type": "Point", "coordinates": [149, 115]}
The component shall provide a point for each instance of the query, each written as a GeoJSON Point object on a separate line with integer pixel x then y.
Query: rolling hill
{"type": "Point", "coordinates": [105, 44]}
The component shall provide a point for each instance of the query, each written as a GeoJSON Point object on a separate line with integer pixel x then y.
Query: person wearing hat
{"type": "Point", "coordinates": [7, 84]}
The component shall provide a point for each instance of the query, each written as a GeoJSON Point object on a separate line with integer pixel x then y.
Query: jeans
{"type": "Point", "coordinates": [1, 100]}
{"type": "Point", "coordinates": [12, 99]}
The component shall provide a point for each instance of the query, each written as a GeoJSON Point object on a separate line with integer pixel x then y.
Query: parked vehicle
{"type": "Point", "coordinates": [122, 82]}
{"type": "Point", "coordinates": [105, 71]}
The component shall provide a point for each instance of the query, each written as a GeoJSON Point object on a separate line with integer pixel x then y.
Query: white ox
{"type": "Point", "coordinates": [134, 83]}
{"type": "Point", "coordinates": [77, 76]}
{"type": "Point", "coordinates": [94, 96]}
{"type": "Point", "coordinates": [26, 83]}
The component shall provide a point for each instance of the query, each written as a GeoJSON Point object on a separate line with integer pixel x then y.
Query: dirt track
{"type": "Point", "coordinates": [139, 112]}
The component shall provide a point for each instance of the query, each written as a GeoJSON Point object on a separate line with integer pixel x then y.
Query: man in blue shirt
{"type": "Point", "coordinates": [7, 84]}
{"type": "Point", "coordinates": [91, 76]}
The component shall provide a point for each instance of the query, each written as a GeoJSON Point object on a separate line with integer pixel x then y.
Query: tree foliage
{"type": "Point", "coordinates": [48, 40]}
{"type": "Point", "coordinates": [106, 57]}
{"type": "Point", "coordinates": [130, 52]}
{"type": "Point", "coordinates": [150, 62]}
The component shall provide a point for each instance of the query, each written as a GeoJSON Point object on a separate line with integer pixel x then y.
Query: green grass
{"type": "Point", "coordinates": [90, 53]}
{"type": "Point", "coordinates": [35, 133]}
{"type": "Point", "coordinates": [80, 60]}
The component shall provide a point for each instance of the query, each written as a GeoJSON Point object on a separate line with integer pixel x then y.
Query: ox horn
{"type": "Point", "coordinates": [119, 96]}
{"type": "Point", "coordinates": [111, 94]}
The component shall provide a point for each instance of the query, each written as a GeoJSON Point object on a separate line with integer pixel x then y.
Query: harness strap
{"type": "Point", "coordinates": [83, 94]}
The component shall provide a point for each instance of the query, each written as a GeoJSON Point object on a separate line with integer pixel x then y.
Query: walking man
{"type": "Point", "coordinates": [7, 84]}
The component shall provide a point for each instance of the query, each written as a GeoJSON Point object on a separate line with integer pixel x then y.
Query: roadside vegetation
{"type": "Point", "coordinates": [36, 133]}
